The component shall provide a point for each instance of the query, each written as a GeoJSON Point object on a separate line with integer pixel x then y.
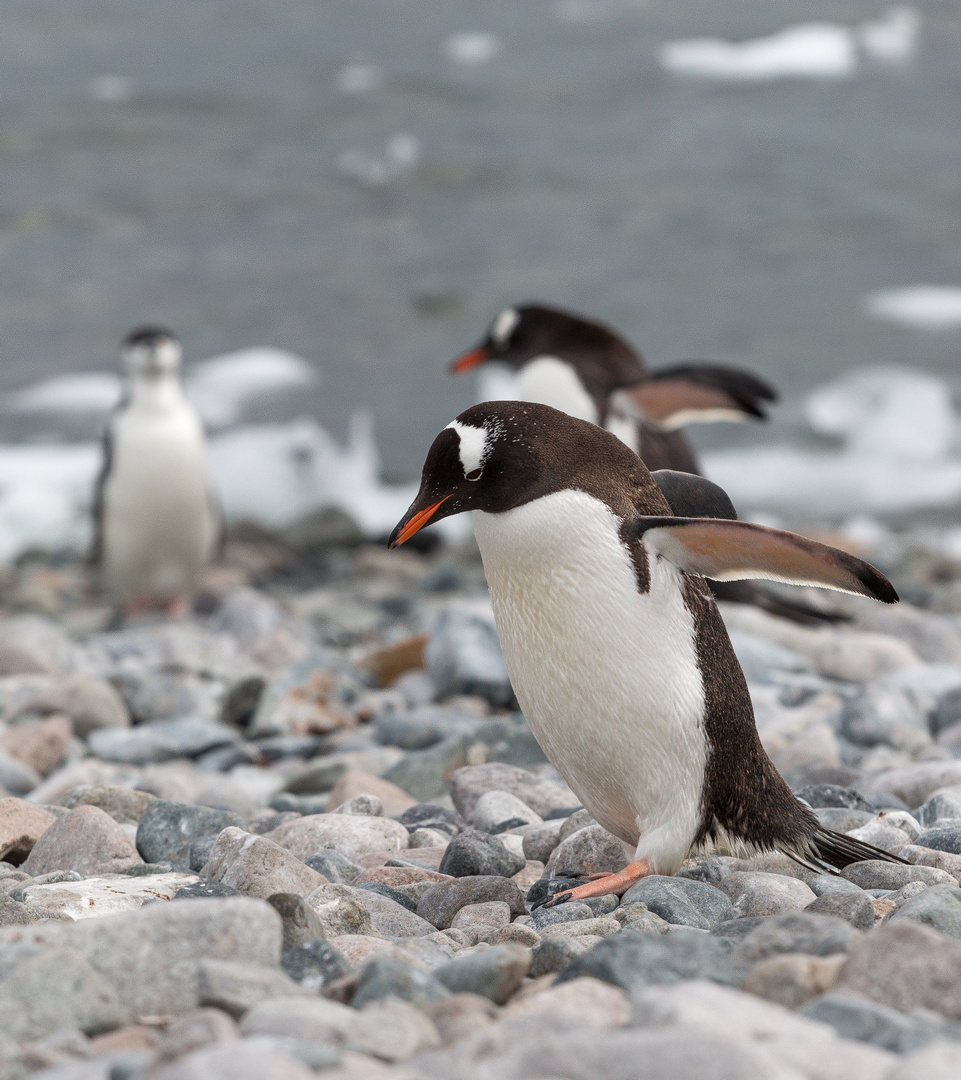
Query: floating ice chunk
{"type": "Point", "coordinates": [91, 392]}
{"type": "Point", "coordinates": [886, 412]}
{"type": "Point", "coordinates": [401, 156]}
{"type": "Point", "coordinates": [222, 386]}
{"type": "Point", "coordinates": [277, 473]}
{"type": "Point", "coordinates": [473, 48]}
{"type": "Point", "coordinates": [497, 382]}
{"type": "Point", "coordinates": [111, 88]}
{"type": "Point", "coordinates": [893, 38]}
{"type": "Point", "coordinates": [359, 79]}
{"type": "Point", "coordinates": [45, 496]}
{"type": "Point", "coordinates": [922, 307]}
{"type": "Point", "coordinates": [789, 480]}
{"type": "Point", "coordinates": [807, 51]}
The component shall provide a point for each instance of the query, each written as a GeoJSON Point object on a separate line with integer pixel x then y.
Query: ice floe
{"type": "Point", "coordinates": [400, 157]}
{"type": "Point", "coordinates": [815, 50]}
{"type": "Point", "coordinates": [89, 392]}
{"type": "Point", "coordinates": [359, 79]}
{"type": "Point", "coordinates": [898, 428]}
{"type": "Point", "coordinates": [472, 48]}
{"type": "Point", "coordinates": [921, 307]}
{"type": "Point", "coordinates": [893, 38]}
{"type": "Point", "coordinates": [222, 386]}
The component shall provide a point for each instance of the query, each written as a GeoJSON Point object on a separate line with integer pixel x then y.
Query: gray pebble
{"type": "Point", "coordinates": [545, 916]}
{"type": "Point", "coordinates": [634, 960]}
{"type": "Point", "coordinates": [473, 853]}
{"type": "Point", "coordinates": [842, 820]}
{"type": "Point", "coordinates": [441, 902]}
{"type": "Point", "coordinates": [493, 973]}
{"type": "Point", "coordinates": [833, 795]}
{"type": "Point", "coordinates": [795, 932]}
{"type": "Point", "coordinates": [876, 874]}
{"type": "Point", "coordinates": [315, 964]}
{"type": "Point", "coordinates": [943, 838]}
{"type": "Point", "coordinates": [553, 954]}
{"type": "Point", "coordinates": [855, 1017]}
{"type": "Point", "coordinates": [390, 977]}
{"type": "Point", "coordinates": [822, 884]}
{"type": "Point", "coordinates": [168, 830]}
{"type": "Point", "coordinates": [301, 924]}
{"type": "Point", "coordinates": [854, 907]}
{"type": "Point", "coordinates": [939, 906]}
{"type": "Point", "coordinates": [681, 901]}
{"type": "Point", "coordinates": [334, 866]}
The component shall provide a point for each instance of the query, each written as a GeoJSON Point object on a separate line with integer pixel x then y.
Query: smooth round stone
{"type": "Point", "coordinates": [205, 890]}
{"type": "Point", "coordinates": [428, 816]}
{"type": "Point", "coordinates": [473, 853]}
{"type": "Point", "coordinates": [682, 901]}
{"type": "Point", "coordinates": [795, 932]}
{"type": "Point", "coordinates": [855, 908]}
{"type": "Point", "coordinates": [825, 884]}
{"type": "Point", "coordinates": [835, 796]}
{"type": "Point", "coordinates": [877, 874]}
{"type": "Point", "coordinates": [938, 906]}
{"type": "Point", "coordinates": [388, 976]}
{"type": "Point", "coordinates": [943, 838]}
{"type": "Point", "coordinates": [497, 811]}
{"type": "Point", "coordinates": [334, 866]}
{"type": "Point", "coordinates": [843, 820]}
{"type": "Point", "coordinates": [315, 963]}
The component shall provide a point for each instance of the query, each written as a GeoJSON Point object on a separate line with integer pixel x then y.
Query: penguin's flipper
{"type": "Point", "coordinates": [695, 393]}
{"type": "Point", "coordinates": [693, 496]}
{"type": "Point", "coordinates": [733, 550]}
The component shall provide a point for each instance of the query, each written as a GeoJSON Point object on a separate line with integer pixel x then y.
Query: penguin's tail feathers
{"type": "Point", "coordinates": [832, 851]}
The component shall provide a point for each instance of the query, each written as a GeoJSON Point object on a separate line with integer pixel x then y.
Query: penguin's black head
{"type": "Point", "coordinates": [151, 351]}
{"type": "Point", "coordinates": [517, 335]}
{"type": "Point", "coordinates": [522, 333]}
{"type": "Point", "coordinates": [502, 454]}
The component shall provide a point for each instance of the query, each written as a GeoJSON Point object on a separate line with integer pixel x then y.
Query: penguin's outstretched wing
{"type": "Point", "coordinates": [728, 550]}
{"type": "Point", "coordinates": [695, 393]}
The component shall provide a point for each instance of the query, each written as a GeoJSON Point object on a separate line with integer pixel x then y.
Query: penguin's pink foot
{"type": "Point", "coordinates": [603, 884]}
{"type": "Point", "coordinates": [178, 607]}
{"type": "Point", "coordinates": [138, 607]}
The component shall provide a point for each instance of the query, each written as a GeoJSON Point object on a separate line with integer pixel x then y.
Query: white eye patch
{"type": "Point", "coordinates": [474, 447]}
{"type": "Point", "coordinates": [504, 325]}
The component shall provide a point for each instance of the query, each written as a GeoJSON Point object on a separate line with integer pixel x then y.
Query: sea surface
{"type": "Point", "coordinates": [350, 181]}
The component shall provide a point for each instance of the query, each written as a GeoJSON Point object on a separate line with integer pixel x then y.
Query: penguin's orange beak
{"type": "Point", "coordinates": [413, 522]}
{"type": "Point", "coordinates": [469, 360]}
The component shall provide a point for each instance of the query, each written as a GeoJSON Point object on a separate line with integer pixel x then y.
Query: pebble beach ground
{"type": "Point", "coordinates": [299, 833]}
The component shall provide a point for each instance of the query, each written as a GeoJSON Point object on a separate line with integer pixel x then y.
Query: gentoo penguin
{"type": "Point", "coordinates": [156, 525]}
{"type": "Point", "coordinates": [586, 369]}
{"type": "Point", "coordinates": [615, 647]}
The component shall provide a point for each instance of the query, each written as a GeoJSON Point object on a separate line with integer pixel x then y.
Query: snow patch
{"type": "Point", "coordinates": [921, 307]}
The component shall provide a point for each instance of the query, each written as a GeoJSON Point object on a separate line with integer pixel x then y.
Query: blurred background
{"type": "Point", "coordinates": [364, 184]}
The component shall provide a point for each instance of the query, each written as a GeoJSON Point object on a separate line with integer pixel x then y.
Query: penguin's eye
{"type": "Point", "coordinates": [474, 474]}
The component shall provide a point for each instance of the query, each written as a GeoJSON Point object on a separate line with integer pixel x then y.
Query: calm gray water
{"type": "Point", "coordinates": [741, 223]}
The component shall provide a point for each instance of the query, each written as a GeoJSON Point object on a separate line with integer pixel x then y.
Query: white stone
{"type": "Point", "coordinates": [97, 896]}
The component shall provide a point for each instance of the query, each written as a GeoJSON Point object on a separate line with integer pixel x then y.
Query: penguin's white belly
{"type": "Point", "coordinates": [607, 676]}
{"type": "Point", "coordinates": [159, 528]}
{"type": "Point", "coordinates": [550, 381]}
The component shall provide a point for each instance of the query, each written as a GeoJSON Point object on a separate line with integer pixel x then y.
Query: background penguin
{"type": "Point", "coordinates": [155, 523]}
{"type": "Point", "coordinates": [615, 647]}
{"type": "Point", "coordinates": [586, 369]}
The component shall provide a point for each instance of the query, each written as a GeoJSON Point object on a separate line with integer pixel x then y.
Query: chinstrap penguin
{"type": "Point", "coordinates": [615, 646]}
{"type": "Point", "coordinates": [155, 522]}
{"type": "Point", "coordinates": [588, 370]}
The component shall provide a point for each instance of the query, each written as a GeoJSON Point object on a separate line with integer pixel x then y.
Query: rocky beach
{"type": "Point", "coordinates": [301, 831]}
